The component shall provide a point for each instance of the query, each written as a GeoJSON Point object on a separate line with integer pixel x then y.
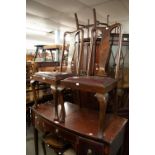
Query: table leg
{"type": "Point", "coordinates": [36, 141]}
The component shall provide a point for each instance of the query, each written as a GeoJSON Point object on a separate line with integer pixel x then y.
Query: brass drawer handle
{"type": "Point", "coordinates": [89, 152]}
{"type": "Point", "coordinates": [77, 84]}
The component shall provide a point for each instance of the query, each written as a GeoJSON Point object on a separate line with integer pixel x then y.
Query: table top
{"type": "Point", "coordinates": [84, 122]}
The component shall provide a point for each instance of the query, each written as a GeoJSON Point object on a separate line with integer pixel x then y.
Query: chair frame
{"type": "Point", "coordinates": [55, 82]}
{"type": "Point", "coordinates": [100, 93]}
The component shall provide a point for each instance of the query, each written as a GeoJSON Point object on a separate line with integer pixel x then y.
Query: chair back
{"type": "Point", "coordinates": [70, 59]}
{"type": "Point", "coordinates": [105, 51]}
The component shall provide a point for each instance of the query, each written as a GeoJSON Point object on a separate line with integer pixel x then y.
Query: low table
{"type": "Point", "coordinates": [80, 129]}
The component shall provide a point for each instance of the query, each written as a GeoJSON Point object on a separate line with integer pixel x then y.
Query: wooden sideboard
{"type": "Point", "coordinates": [81, 129]}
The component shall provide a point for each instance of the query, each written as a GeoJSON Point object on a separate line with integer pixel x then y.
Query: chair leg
{"type": "Point", "coordinates": [102, 99]}
{"type": "Point", "coordinates": [55, 97]}
{"type": "Point", "coordinates": [44, 148]}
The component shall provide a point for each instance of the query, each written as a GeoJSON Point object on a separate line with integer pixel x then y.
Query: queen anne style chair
{"type": "Point", "coordinates": [97, 80]}
{"type": "Point", "coordinates": [71, 65]}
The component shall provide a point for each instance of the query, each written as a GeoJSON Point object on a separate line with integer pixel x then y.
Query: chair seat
{"type": "Point", "coordinates": [55, 142]}
{"type": "Point", "coordinates": [50, 77]}
{"type": "Point", "coordinates": [90, 83]}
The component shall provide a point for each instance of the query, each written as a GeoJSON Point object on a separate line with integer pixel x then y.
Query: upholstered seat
{"type": "Point", "coordinates": [90, 83]}
{"type": "Point", "coordinates": [50, 77]}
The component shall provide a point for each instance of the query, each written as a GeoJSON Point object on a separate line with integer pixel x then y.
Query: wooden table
{"type": "Point", "coordinates": [81, 129]}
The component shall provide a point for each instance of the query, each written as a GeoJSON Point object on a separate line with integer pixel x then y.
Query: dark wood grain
{"type": "Point", "coordinates": [83, 121]}
{"type": "Point", "coordinates": [81, 124]}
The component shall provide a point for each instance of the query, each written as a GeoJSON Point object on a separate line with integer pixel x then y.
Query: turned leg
{"type": "Point", "coordinates": [55, 97]}
{"type": "Point", "coordinates": [36, 140]}
{"type": "Point", "coordinates": [102, 99]}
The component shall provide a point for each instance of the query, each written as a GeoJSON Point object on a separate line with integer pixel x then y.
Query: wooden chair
{"type": "Point", "coordinates": [99, 83]}
{"type": "Point", "coordinates": [72, 68]}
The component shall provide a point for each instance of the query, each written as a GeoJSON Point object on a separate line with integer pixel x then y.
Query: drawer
{"type": "Point", "coordinates": [42, 125]}
{"type": "Point", "coordinates": [90, 147]}
{"type": "Point", "coordinates": [66, 135]}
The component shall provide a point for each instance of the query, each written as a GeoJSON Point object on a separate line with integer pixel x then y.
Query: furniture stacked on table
{"type": "Point", "coordinates": [65, 124]}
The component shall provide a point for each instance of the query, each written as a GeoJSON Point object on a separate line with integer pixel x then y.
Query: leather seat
{"type": "Point", "coordinates": [51, 76]}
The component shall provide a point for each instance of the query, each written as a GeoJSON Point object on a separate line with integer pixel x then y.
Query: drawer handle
{"type": "Point", "coordinates": [89, 152]}
{"type": "Point", "coordinates": [90, 134]}
{"type": "Point", "coordinates": [77, 84]}
{"type": "Point", "coordinates": [56, 130]}
{"type": "Point", "coordinates": [36, 117]}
